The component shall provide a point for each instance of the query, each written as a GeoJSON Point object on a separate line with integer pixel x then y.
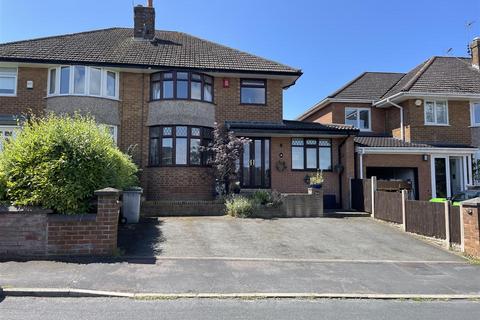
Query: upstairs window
{"type": "Point", "coordinates": [436, 112]}
{"type": "Point", "coordinates": [179, 145]}
{"type": "Point", "coordinates": [475, 114]}
{"type": "Point", "coordinates": [311, 154]}
{"type": "Point", "coordinates": [253, 91]}
{"type": "Point", "coordinates": [82, 80]}
{"type": "Point", "coordinates": [358, 118]}
{"type": "Point", "coordinates": [181, 85]}
{"type": "Point", "coordinates": [8, 81]}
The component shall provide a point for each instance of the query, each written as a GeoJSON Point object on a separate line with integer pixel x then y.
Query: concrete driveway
{"type": "Point", "coordinates": [297, 238]}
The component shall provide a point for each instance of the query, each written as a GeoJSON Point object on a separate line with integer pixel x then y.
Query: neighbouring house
{"type": "Point", "coordinates": [422, 126]}
{"type": "Point", "coordinates": [160, 93]}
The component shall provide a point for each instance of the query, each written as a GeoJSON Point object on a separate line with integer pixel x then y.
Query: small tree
{"type": "Point", "coordinates": [226, 150]}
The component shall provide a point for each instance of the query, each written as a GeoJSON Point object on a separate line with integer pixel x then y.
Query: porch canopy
{"type": "Point", "coordinates": [289, 128]}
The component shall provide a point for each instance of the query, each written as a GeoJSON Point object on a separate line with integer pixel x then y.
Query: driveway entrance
{"type": "Point", "coordinates": [302, 238]}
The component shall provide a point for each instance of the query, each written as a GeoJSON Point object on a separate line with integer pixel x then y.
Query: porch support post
{"type": "Point", "coordinates": [447, 224]}
{"type": "Point", "coordinates": [374, 188]}
{"type": "Point", "coordinates": [462, 230]}
{"type": "Point", "coordinates": [470, 174]}
{"type": "Point", "coordinates": [404, 203]}
{"type": "Point", "coordinates": [360, 163]}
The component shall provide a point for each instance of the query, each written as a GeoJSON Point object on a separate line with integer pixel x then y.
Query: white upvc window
{"type": "Point", "coordinates": [83, 81]}
{"type": "Point", "coordinates": [436, 112]}
{"type": "Point", "coordinates": [8, 81]}
{"type": "Point", "coordinates": [7, 132]}
{"type": "Point", "coordinates": [475, 113]}
{"type": "Point", "coordinates": [112, 130]}
{"type": "Point", "coordinates": [360, 118]}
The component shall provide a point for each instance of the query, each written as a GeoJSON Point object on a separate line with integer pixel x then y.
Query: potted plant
{"type": "Point", "coordinates": [316, 180]}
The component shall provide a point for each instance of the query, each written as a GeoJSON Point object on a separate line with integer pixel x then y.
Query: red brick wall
{"type": "Point", "coordinates": [179, 183]}
{"type": "Point", "coordinates": [335, 113]}
{"type": "Point", "coordinates": [96, 235]}
{"type": "Point", "coordinates": [471, 230]}
{"type": "Point", "coordinates": [406, 161]}
{"type": "Point", "coordinates": [228, 106]}
{"type": "Point", "coordinates": [52, 234]}
{"type": "Point", "coordinates": [27, 100]}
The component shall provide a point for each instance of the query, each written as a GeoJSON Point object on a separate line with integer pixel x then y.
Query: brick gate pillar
{"type": "Point", "coordinates": [469, 219]}
{"type": "Point", "coordinates": [107, 219]}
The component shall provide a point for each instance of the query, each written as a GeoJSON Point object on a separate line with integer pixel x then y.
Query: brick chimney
{"type": "Point", "coordinates": [475, 51]}
{"type": "Point", "coordinates": [144, 21]}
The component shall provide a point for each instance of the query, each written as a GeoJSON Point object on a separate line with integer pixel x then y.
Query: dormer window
{"type": "Point", "coordinates": [359, 118]}
{"type": "Point", "coordinates": [181, 85]}
{"type": "Point", "coordinates": [83, 81]}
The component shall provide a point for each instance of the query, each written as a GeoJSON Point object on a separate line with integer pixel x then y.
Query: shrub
{"type": "Point", "coordinates": [58, 162]}
{"type": "Point", "coordinates": [240, 206]}
{"type": "Point", "coordinates": [262, 197]}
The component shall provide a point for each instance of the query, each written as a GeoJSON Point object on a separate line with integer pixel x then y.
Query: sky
{"type": "Point", "coordinates": [331, 41]}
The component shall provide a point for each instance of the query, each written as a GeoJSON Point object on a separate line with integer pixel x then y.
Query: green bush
{"type": "Point", "coordinates": [58, 162]}
{"type": "Point", "coordinates": [261, 196]}
{"type": "Point", "coordinates": [240, 206]}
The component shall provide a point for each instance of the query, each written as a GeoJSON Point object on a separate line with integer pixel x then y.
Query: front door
{"type": "Point", "coordinates": [255, 164]}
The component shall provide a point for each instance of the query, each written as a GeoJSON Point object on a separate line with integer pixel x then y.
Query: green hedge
{"type": "Point", "coordinates": [58, 162]}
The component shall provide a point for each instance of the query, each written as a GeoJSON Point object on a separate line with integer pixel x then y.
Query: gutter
{"type": "Point", "coordinates": [466, 96]}
{"type": "Point", "coordinates": [414, 150]}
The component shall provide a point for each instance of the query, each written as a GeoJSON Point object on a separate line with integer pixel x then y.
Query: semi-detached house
{"type": "Point", "coordinates": [160, 94]}
{"type": "Point", "coordinates": [422, 126]}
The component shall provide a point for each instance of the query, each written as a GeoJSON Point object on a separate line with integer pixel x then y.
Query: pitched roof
{"type": "Point", "coordinates": [440, 75]}
{"type": "Point", "coordinates": [390, 142]}
{"type": "Point", "coordinates": [116, 46]}
{"type": "Point", "coordinates": [290, 126]}
{"type": "Point", "coordinates": [368, 86]}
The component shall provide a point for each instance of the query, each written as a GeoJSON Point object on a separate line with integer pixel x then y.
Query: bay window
{"type": "Point", "coordinates": [181, 85]}
{"type": "Point", "coordinates": [178, 145]}
{"type": "Point", "coordinates": [436, 112]}
{"type": "Point", "coordinates": [82, 80]}
{"type": "Point", "coordinates": [311, 154]}
{"type": "Point", "coordinates": [8, 81]}
{"type": "Point", "coordinates": [358, 118]}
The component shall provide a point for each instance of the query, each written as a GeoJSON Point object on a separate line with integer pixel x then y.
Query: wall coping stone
{"type": "Point", "coordinates": [471, 202]}
{"type": "Point", "coordinates": [72, 218]}
{"type": "Point", "coordinates": [24, 210]}
{"type": "Point", "coordinates": [107, 192]}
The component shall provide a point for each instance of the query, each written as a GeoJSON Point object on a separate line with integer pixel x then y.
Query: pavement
{"type": "Point", "coordinates": [286, 257]}
{"type": "Point", "coordinates": [201, 309]}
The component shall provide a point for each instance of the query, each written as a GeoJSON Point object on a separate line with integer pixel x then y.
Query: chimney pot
{"type": "Point", "coordinates": [150, 3]}
{"type": "Point", "coordinates": [475, 51]}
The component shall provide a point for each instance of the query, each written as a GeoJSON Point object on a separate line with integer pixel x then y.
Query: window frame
{"type": "Point", "coordinates": [71, 92]}
{"type": "Point", "coordinates": [357, 111]}
{"type": "Point", "coordinates": [317, 147]}
{"type": "Point", "coordinates": [5, 128]}
{"type": "Point", "coordinates": [10, 75]}
{"type": "Point", "coordinates": [253, 86]}
{"type": "Point", "coordinates": [205, 139]}
{"type": "Point", "coordinates": [175, 80]}
{"type": "Point", "coordinates": [435, 123]}
{"type": "Point", "coordinates": [472, 113]}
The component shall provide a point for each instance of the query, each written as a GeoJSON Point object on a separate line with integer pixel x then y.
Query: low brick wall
{"type": "Point", "coordinates": [37, 232]}
{"type": "Point", "coordinates": [296, 205]}
{"type": "Point", "coordinates": [183, 208]}
{"type": "Point", "coordinates": [471, 226]}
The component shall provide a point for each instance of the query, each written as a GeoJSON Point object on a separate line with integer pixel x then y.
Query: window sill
{"type": "Point", "coordinates": [178, 166]}
{"type": "Point", "coordinates": [81, 95]}
{"type": "Point", "coordinates": [254, 104]}
{"type": "Point", "coordinates": [312, 170]}
{"type": "Point", "coordinates": [8, 95]}
{"type": "Point", "coordinates": [435, 125]}
{"type": "Point", "coordinates": [192, 100]}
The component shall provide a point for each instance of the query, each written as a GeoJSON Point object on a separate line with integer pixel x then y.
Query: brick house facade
{"type": "Point", "coordinates": [421, 126]}
{"type": "Point", "coordinates": [160, 108]}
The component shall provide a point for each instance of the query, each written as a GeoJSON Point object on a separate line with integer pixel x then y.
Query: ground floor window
{"type": "Point", "coordinates": [450, 175]}
{"type": "Point", "coordinates": [6, 133]}
{"type": "Point", "coordinates": [311, 154]}
{"type": "Point", "coordinates": [112, 130]}
{"type": "Point", "coordinates": [179, 145]}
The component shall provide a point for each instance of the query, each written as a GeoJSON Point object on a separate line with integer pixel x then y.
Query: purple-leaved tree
{"type": "Point", "coordinates": [226, 150]}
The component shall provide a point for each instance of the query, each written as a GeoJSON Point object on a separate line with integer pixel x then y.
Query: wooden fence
{"type": "Point", "coordinates": [425, 218]}
{"type": "Point", "coordinates": [421, 217]}
{"type": "Point", "coordinates": [388, 206]}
